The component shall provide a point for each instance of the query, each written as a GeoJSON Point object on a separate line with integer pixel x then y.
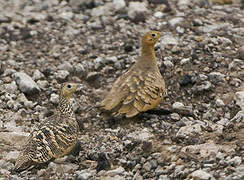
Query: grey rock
{"type": "Point", "coordinates": [8, 72]}
{"type": "Point", "coordinates": [67, 15]}
{"type": "Point", "coordinates": [80, 70]}
{"type": "Point", "coordinates": [182, 4]}
{"type": "Point", "coordinates": [42, 84]}
{"type": "Point", "coordinates": [70, 31]}
{"type": "Point", "coordinates": [178, 105]}
{"type": "Point", "coordinates": [239, 97]}
{"type": "Point", "coordinates": [95, 25]}
{"type": "Point", "coordinates": [214, 27]}
{"type": "Point", "coordinates": [24, 100]}
{"type": "Point", "coordinates": [137, 11]}
{"type": "Point", "coordinates": [11, 88]}
{"type": "Point", "coordinates": [102, 10]}
{"type": "Point", "coordinates": [219, 102]}
{"type": "Point", "coordinates": [175, 21]}
{"type": "Point", "coordinates": [84, 175]}
{"type": "Point", "coordinates": [197, 22]}
{"type": "Point", "coordinates": [205, 86]}
{"type": "Point", "coordinates": [175, 116]}
{"type": "Point", "coordinates": [37, 75]}
{"type": "Point", "coordinates": [202, 77]}
{"type": "Point", "coordinates": [235, 64]}
{"type": "Point", "coordinates": [137, 176]}
{"type": "Point", "coordinates": [169, 40]}
{"type": "Point", "coordinates": [216, 77]}
{"type": "Point", "coordinates": [147, 166]}
{"type": "Point", "coordinates": [54, 98]}
{"type": "Point", "coordinates": [158, 14]}
{"type": "Point", "coordinates": [66, 66]}
{"type": "Point", "coordinates": [25, 83]}
{"type": "Point", "coordinates": [153, 163]}
{"type": "Point", "coordinates": [203, 175]}
{"type": "Point", "coordinates": [168, 64]}
{"type": "Point", "coordinates": [241, 52]}
{"type": "Point", "coordinates": [61, 75]}
{"type": "Point", "coordinates": [184, 61]}
{"type": "Point", "coordinates": [239, 117]}
{"type": "Point", "coordinates": [163, 177]}
{"type": "Point", "coordinates": [143, 135]}
{"type": "Point", "coordinates": [235, 161]}
{"type": "Point", "coordinates": [118, 171]}
{"type": "Point", "coordinates": [119, 4]}
{"type": "Point", "coordinates": [223, 122]}
{"type": "Point", "coordinates": [190, 130]}
{"type": "Point", "coordinates": [180, 30]}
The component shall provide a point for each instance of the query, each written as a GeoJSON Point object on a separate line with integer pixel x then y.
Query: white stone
{"type": "Point", "coordinates": [219, 102]}
{"type": "Point", "coordinates": [25, 83]}
{"type": "Point", "coordinates": [136, 8]}
{"type": "Point", "coordinates": [175, 21]}
{"type": "Point", "coordinates": [207, 149]}
{"type": "Point", "coordinates": [12, 87]}
{"type": "Point", "coordinates": [54, 98]}
{"type": "Point", "coordinates": [119, 171]}
{"type": "Point", "coordinates": [66, 66]}
{"type": "Point", "coordinates": [62, 74]}
{"type": "Point", "coordinates": [37, 75]}
{"type": "Point", "coordinates": [142, 135]}
{"type": "Point", "coordinates": [119, 4]}
{"type": "Point", "coordinates": [187, 131]}
{"type": "Point", "coordinates": [239, 97]}
{"type": "Point", "coordinates": [178, 105]}
{"type": "Point", "coordinates": [169, 39]}
{"type": "Point", "coordinates": [147, 166]}
{"type": "Point", "coordinates": [200, 174]}
{"type": "Point", "coordinates": [25, 101]}
{"type": "Point", "coordinates": [168, 64]}
{"type": "Point", "coordinates": [184, 61]}
{"type": "Point", "coordinates": [180, 30]}
{"type": "Point", "coordinates": [67, 15]}
{"type": "Point", "coordinates": [159, 14]}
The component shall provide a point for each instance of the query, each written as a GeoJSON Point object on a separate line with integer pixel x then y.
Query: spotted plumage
{"type": "Point", "coordinates": [53, 138]}
{"type": "Point", "coordinates": [142, 87]}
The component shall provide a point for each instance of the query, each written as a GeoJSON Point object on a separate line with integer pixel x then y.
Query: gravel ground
{"type": "Point", "coordinates": [200, 55]}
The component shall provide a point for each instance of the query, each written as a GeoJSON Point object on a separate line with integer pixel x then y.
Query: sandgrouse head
{"type": "Point", "coordinates": [68, 88]}
{"type": "Point", "coordinates": [150, 38]}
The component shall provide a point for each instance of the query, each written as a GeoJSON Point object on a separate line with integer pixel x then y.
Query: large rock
{"type": "Point", "coordinates": [25, 83]}
{"type": "Point", "coordinates": [137, 11]}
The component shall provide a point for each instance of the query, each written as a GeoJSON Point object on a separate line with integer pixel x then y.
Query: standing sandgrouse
{"type": "Point", "coordinates": [142, 87]}
{"type": "Point", "coordinates": [53, 138]}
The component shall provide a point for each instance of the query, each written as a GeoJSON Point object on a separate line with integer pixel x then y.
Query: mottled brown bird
{"type": "Point", "coordinates": [53, 138]}
{"type": "Point", "coordinates": [142, 87]}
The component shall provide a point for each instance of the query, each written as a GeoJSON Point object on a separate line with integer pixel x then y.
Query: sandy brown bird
{"type": "Point", "coordinates": [53, 138]}
{"type": "Point", "coordinates": [142, 87]}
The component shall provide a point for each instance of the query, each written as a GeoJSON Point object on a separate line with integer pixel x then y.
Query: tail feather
{"type": "Point", "coordinates": [22, 163]}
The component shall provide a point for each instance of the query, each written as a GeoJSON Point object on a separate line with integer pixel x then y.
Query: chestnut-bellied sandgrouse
{"type": "Point", "coordinates": [142, 87]}
{"type": "Point", "coordinates": [53, 138]}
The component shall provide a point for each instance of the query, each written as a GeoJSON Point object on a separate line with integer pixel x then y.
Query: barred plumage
{"type": "Point", "coordinates": [142, 87]}
{"type": "Point", "coordinates": [53, 138]}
